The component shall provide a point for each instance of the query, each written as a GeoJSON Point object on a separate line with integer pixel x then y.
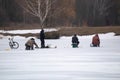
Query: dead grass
{"type": "Point", "coordinates": [68, 31]}
{"type": "Point", "coordinates": [88, 30]}
{"type": "Point", "coordinates": [20, 27]}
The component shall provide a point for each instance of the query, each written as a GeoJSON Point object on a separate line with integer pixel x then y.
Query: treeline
{"type": "Point", "coordinates": [98, 12]}
{"type": "Point", "coordinates": [64, 13]}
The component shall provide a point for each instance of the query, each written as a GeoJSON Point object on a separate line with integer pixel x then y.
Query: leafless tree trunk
{"type": "Point", "coordinates": [38, 8]}
{"type": "Point", "coordinates": [101, 8]}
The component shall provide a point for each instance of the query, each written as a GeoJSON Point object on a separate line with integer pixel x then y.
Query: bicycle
{"type": "Point", "coordinates": [13, 44]}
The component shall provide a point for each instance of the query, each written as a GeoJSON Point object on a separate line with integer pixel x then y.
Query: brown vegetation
{"type": "Point", "coordinates": [88, 30]}
{"type": "Point", "coordinates": [69, 31]}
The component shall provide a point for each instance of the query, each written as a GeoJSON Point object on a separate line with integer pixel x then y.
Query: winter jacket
{"type": "Point", "coordinates": [31, 43]}
{"type": "Point", "coordinates": [42, 35]}
{"type": "Point", "coordinates": [96, 40]}
{"type": "Point", "coordinates": [75, 40]}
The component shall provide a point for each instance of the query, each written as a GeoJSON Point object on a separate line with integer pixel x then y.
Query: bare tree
{"type": "Point", "coordinates": [95, 12]}
{"type": "Point", "coordinates": [102, 8]}
{"type": "Point", "coordinates": [38, 8]}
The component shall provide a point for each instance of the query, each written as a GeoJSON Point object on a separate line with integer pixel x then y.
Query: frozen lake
{"type": "Point", "coordinates": [63, 62]}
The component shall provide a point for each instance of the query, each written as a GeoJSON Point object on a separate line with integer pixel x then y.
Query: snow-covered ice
{"type": "Point", "coordinates": [63, 62]}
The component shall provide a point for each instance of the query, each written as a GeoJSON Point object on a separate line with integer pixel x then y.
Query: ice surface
{"type": "Point", "coordinates": [63, 62]}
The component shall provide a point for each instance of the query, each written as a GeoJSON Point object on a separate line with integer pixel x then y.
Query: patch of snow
{"type": "Point", "coordinates": [63, 62]}
{"type": "Point", "coordinates": [26, 31]}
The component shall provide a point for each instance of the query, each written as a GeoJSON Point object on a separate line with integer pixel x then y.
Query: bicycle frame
{"type": "Point", "coordinates": [13, 44]}
{"type": "Point", "coordinates": [11, 40]}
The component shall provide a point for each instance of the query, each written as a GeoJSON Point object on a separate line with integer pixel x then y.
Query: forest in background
{"type": "Point", "coordinates": [63, 13]}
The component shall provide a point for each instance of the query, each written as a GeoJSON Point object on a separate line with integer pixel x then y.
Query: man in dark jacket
{"type": "Point", "coordinates": [96, 41]}
{"type": "Point", "coordinates": [42, 37]}
{"type": "Point", "coordinates": [75, 41]}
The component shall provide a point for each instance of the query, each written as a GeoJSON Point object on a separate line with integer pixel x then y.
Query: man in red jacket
{"type": "Point", "coordinates": [96, 41]}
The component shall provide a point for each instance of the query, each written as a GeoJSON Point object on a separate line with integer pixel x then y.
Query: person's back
{"type": "Point", "coordinates": [75, 41]}
{"type": "Point", "coordinates": [96, 41]}
{"type": "Point", "coordinates": [30, 44]}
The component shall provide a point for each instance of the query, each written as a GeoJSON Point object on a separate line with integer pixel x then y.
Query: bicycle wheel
{"type": "Point", "coordinates": [11, 45]}
{"type": "Point", "coordinates": [15, 45]}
